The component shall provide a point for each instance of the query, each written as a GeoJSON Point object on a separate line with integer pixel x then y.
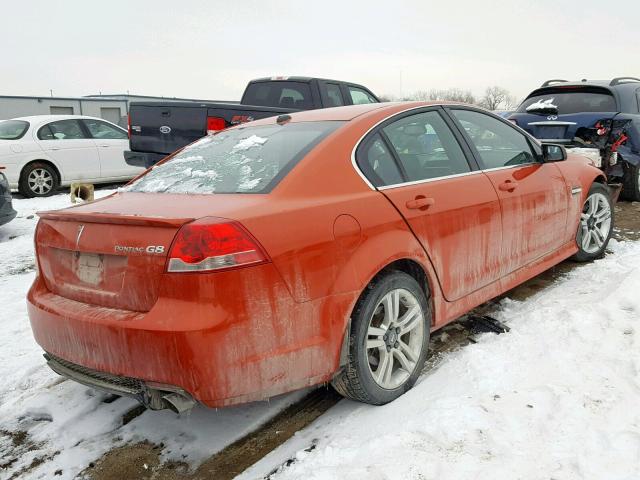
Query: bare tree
{"type": "Point", "coordinates": [497, 98]}
{"type": "Point", "coordinates": [449, 94]}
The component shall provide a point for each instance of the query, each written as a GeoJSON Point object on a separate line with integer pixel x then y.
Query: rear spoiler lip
{"type": "Point", "coordinates": [113, 218]}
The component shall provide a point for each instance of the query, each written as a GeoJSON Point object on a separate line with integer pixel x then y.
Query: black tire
{"type": "Point", "coordinates": [631, 183]}
{"type": "Point", "coordinates": [356, 380]}
{"type": "Point", "coordinates": [49, 185]}
{"type": "Point", "coordinates": [595, 224]}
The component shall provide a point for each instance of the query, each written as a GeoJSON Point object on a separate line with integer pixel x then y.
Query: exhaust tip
{"type": "Point", "coordinates": [178, 403]}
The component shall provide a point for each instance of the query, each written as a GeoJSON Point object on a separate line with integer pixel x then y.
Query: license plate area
{"type": "Point", "coordinates": [551, 132]}
{"type": "Point", "coordinates": [89, 267]}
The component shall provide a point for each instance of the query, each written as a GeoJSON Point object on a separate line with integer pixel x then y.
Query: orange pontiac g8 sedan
{"type": "Point", "coordinates": [318, 247]}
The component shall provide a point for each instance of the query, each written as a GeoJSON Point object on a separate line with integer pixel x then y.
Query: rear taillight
{"type": "Point", "coordinates": [213, 244]}
{"type": "Point", "coordinates": [129, 125]}
{"type": "Point", "coordinates": [215, 124]}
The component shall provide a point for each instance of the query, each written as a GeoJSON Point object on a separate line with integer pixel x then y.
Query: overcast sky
{"type": "Point", "coordinates": [210, 49]}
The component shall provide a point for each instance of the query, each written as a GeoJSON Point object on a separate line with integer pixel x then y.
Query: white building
{"type": "Point", "coordinates": [113, 108]}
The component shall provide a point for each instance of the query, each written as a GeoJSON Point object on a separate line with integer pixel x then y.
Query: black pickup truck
{"type": "Point", "coordinates": [157, 129]}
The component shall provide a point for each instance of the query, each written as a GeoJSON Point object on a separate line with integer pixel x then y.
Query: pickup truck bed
{"type": "Point", "coordinates": [157, 129]}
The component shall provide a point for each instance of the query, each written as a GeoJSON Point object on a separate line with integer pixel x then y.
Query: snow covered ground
{"type": "Point", "coordinates": [556, 398]}
{"type": "Point", "coordinates": [68, 425]}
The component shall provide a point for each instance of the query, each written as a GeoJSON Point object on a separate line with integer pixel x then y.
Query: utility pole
{"type": "Point", "coordinates": [51, 92]}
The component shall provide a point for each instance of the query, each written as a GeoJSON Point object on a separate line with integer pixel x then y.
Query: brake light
{"type": "Point", "coordinates": [215, 124]}
{"type": "Point", "coordinates": [129, 125]}
{"type": "Point", "coordinates": [213, 244]}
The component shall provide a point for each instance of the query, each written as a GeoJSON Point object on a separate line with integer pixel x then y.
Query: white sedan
{"type": "Point", "coordinates": [38, 154]}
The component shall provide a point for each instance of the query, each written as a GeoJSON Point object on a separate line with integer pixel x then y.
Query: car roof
{"type": "Point", "coordinates": [351, 112]}
{"type": "Point", "coordinates": [48, 118]}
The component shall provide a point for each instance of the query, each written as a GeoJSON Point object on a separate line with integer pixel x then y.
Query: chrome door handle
{"type": "Point", "coordinates": [508, 186]}
{"type": "Point", "coordinates": [104, 146]}
{"type": "Point", "coordinates": [420, 203]}
{"type": "Point", "coordinates": [55, 148]}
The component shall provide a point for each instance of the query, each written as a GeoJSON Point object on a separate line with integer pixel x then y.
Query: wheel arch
{"type": "Point", "coordinates": [41, 160]}
{"type": "Point", "coordinates": [412, 267]}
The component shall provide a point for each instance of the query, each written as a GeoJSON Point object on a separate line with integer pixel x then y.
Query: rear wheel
{"type": "Point", "coordinates": [38, 179]}
{"type": "Point", "coordinates": [631, 183]}
{"type": "Point", "coordinates": [388, 341]}
{"type": "Point", "coordinates": [596, 224]}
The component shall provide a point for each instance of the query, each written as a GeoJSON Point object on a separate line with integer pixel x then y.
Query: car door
{"type": "Point", "coordinates": [417, 162]}
{"type": "Point", "coordinates": [111, 142]}
{"type": "Point", "coordinates": [533, 195]}
{"type": "Point", "coordinates": [67, 143]}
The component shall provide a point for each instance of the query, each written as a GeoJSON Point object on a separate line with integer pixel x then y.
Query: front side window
{"type": "Point", "coordinates": [377, 163]}
{"type": "Point", "coordinates": [13, 129]}
{"type": "Point", "coordinates": [239, 160]}
{"type": "Point", "coordinates": [497, 143]}
{"type": "Point", "coordinates": [62, 130]}
{"type": "Point", "coordinates": [360, 97]}
{"type": "Point", "coordinates": [426, 147]}
{"type": "Point", "coordinates": [104, 131]}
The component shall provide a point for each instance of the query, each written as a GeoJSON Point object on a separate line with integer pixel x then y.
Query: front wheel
{"type": "Point", "coordinates": [631, 183]}
{"type": "Point", "coordinates": [596, 224]}
{"type": "Point", "coordinates": [388, 341]}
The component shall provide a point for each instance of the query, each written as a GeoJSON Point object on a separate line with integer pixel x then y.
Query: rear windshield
{"type": "Point", "coordinates": [240, 160]}
{"type": "Point", "coordinates": [575, 101]}
{"type": "Point", "coordinates": [13, 129]}
{"type": "Point", "coordinates": [279, 94]}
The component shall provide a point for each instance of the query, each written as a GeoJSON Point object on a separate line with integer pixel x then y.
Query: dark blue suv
{"type": "Point", "coordinates": [597, 114]}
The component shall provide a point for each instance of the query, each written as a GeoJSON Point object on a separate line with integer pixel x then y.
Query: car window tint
{"type": "Point", "coordinates": [279, 94]}
{"type": "Point", "coordinates": [61, 130]}
{"type": "Point", "coordinates": [238, 160]}
{"type": "Point", "coordinates": [377, 163]}
{"type": "Point", "coordinates": [570, 101]}
{"type": "Point", "coordinates": [103, 130]}
{"type": "Point", "coordinates": [334, 95]}
{"type": "Point", "coordinates": [359, 96]}
{"type": "Point", "coordinates": [499, 144]}
{"type": "Point", "coordinates": [426, 147]}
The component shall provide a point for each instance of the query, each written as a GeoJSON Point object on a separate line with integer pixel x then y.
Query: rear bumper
{"type": "Point", "coordinates": [218, 352]}
{"type": "Point", "coordinates": [142, 159]}
{"type": "Point", "coordinates": [7, 213]}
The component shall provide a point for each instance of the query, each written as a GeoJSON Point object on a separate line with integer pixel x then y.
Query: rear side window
{"type": "Point", "coordinates": [575, 101]}
{"type": "Point", "coordinates": [62, 130]}
{"type": "Point", "coordinates": [426, 147]}
{"type": "Point", "coordinates": [13, 129]}
{"type": "Point", "coordinates": [279, 94]}
{"type": "Point", "coordinates": [239, 160]}
{"type": "Point", "coordinates": [334, 95]}
{"type": "Point", "coordinates": [377, 163]}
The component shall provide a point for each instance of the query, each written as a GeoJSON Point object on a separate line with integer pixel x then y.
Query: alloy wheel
{"type": "Point", "coordinates": [395, 338]}
{"type": "Point", "coordinates": [595, 223]}
{"type": "Point", "coordinates": [40, 181]}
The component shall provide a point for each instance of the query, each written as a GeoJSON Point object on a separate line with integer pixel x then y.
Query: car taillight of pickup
{"type": "Point", "coordinates": [157, 129]}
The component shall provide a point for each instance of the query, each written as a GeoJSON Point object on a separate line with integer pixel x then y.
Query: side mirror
{"type": "Point", "coordinates": [553, 153]}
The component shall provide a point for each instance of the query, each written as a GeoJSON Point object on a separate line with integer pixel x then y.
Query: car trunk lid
{"type": "Point", "coordinates": [113, 252]}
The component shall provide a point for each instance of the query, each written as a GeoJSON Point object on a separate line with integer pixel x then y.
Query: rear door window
{"type": "Point", "coordinates": [498, 143]}
{"type": "Point", "coordinates": [239, 160]}
{"type": "Point", "coordinates": [13, 129]}
{"type": "Point", "coordinates": [62, 130]}
{"type": "Point", "coordinates": [279, 94]}
{"type": "Point", "coordinates": [576, 101]}
{"type": "Point", "coordinates": [426, 147]}
{"type": "Point", "coordinates": [334, 96]}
